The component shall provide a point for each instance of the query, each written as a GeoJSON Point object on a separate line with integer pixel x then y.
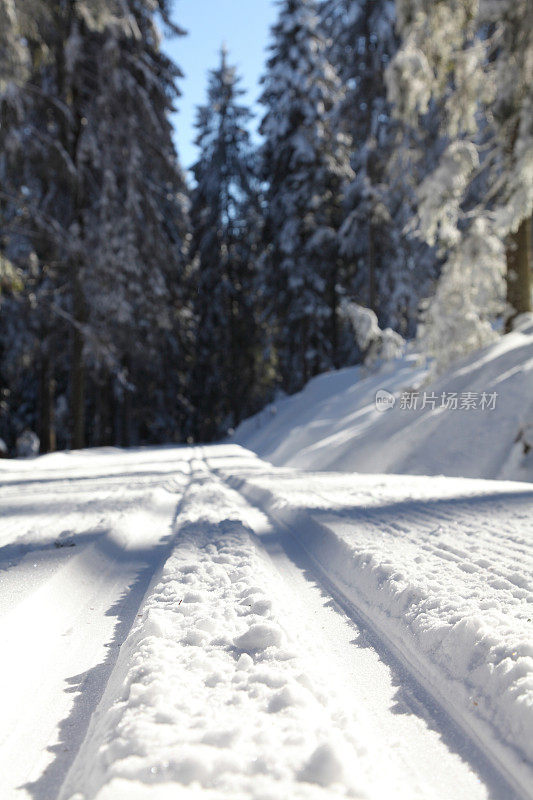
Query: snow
{"type": "Point", "coordinates": [334, 424]}
{"type": "Point", "coordinates": [443, 568]}
{"type": "Point", "coordinates": [196, 622]}
{"type": "Point", "coordinates": [208, 674]}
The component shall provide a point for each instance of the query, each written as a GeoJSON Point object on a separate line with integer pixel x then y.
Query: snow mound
{"type": "Point", "coordinates": [442, 568]}
{"type": "Point", "coordinates": [335, 424]}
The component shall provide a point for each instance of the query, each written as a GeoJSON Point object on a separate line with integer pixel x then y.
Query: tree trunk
{"type": "Point", "coordinates": [47, 434]}
{"type": "Point", "coordinates": [65, 16]}
{"type": "Point", "coordinates": [100, 434]}
{"type": "Point", "coordinates": [77, 389]}
{"type": "Point", "coordinates": [334, 317]}
{"type": "Point", "coordinates": [519, 271]}
{"type": "Point", "coordinates": [108, 403]}
{"type": "Point", "coordinates": [125, 420]}
{"type": "Point", "coordinates": [371, 268]}
{"type": "Point", "coordinates": [125, 411]}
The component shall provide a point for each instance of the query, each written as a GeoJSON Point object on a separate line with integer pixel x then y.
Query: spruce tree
{"type": "Point", "coordinates": [475, 61]}
{"type": "Point", "coordinates": [96, 216]}
{"type": "Point", "coordinates": [138, 237]}
{"type": "Point", "coordinates": [305, 162]}
{"type": "Point", "coordinates": [41, 182]}
{"type": "Point", "coordinates": [226, 382]}
{"type": "Point", "coordinates": [390, 270]}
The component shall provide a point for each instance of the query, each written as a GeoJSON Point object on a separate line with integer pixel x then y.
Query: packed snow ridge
{"type": "Point", "coordinates": [442, 567]}
{"type": "Point", "coordinates": [210, 690]}
{"type": "Point", "coordinates": [197, 622]}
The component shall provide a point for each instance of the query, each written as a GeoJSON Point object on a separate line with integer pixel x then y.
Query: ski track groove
{"type": "Point", "coordinates": [501, 775]}
{"type": "Point", "coordinates": [416, 774]}
{"type": "Point", "coordinates": [123, 587]}
{"type": "Point", "coordinates": [175, 477]}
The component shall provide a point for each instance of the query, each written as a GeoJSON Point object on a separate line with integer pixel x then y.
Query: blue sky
{"type": "Point", "coordinates": [244, 26]}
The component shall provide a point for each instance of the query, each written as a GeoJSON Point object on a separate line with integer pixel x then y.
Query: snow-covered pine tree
{"type": "Point", "coordinates": [39, 180]}
{"type": "Point", "coordinates": [361, 42]}
{"type": "Point", "coordinates": [70, 144]}
{"type": "Point", "coordinates": [305, 162]}
{"type": "Point", "coordinates": [137, 235]}
{"type": "Point", "coordinates": [475, 58]}
{"type": "Point", "coordinates": [228, 375]}
{"type": "Point", "coordinates": [390, 269]}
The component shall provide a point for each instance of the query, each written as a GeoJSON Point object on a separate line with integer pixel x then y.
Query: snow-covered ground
{"type": "Point", "coordinates": [334, 422]}
{"type": "Point", "coordinates": [194, 622]}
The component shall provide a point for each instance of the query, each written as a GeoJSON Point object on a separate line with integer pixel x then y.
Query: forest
{"type": "Point", "coordinates": [143, 305]}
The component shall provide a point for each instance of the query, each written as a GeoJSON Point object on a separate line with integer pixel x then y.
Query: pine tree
{"type": "Point", "coordinates": [99, 227]}
{"type": "Point", "coordinates": [138, 237]}
{"type": "Point", "coordinates": [475, 61]}
{"type": "Point", "coordinates": [39, 180]}
{"type": "Point", "coordinates": [226, 381]}
{"type": "Point", "coordinates": [306, 164]}
{"type": "Point", "coordinates": [390, 269]}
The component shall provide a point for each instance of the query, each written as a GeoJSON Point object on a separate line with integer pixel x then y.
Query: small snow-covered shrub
{"type": "Point", "coordinates": [28, 445]}
{"type": "Point", "coordinates": [376, 345]}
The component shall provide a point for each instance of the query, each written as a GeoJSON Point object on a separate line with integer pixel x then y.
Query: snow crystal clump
{"type": "Point", "coordinates": [323, 767]}
{"type": "Point", "coordinates": [258, 637]}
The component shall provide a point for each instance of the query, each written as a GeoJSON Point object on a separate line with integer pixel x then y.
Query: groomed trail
{"type": "Point", "coordinates": [194, 623]}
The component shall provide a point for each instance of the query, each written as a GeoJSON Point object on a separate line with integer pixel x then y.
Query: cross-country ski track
{"type": "Point", "coordinates": [193, 622]}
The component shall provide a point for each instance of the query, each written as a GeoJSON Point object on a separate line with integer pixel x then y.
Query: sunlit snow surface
{"type": "Point", "coordinates": [334, 424]}
{"type": "Point", "coordinates": [197, 623]}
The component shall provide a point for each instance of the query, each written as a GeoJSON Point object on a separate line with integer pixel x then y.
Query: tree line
{"type": "Point", "coordinates": [140, 305]}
